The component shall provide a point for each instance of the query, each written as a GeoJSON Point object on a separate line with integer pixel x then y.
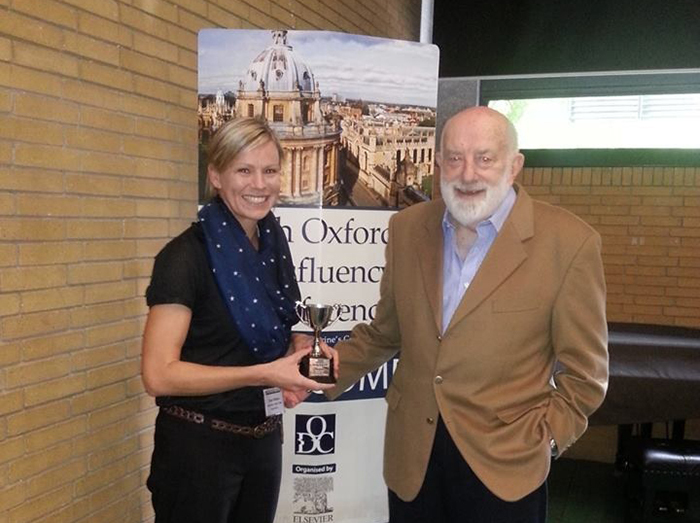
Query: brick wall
{"type": "Point", "coordinates": [98, 169]}
{"type": "Point", "coordinates": [649, 218]}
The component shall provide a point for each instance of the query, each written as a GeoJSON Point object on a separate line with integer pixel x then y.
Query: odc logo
{"type": "Point", "coordinates": [315, 435]}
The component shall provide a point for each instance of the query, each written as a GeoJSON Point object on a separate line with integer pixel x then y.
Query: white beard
{"type": "Point", "coordinates": [471, 212]}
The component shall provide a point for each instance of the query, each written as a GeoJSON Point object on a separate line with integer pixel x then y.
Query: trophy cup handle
{"type": "Point", "coordinates": [335, 314]}
{"type": "Point", "coordinates": [300, 309]}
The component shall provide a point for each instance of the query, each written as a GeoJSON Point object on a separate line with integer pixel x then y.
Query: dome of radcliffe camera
{"type": "Point", "coordinates": [279, 68]}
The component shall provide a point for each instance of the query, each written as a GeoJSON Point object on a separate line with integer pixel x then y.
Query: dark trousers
{"type": "Point", "coordinates": [200, 475]}
{"type": "Point", "coordinates": [451, 493]}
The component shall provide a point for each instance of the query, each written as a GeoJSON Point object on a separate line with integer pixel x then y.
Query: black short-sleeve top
{"type": "Point", "coordinates": [181, 274]}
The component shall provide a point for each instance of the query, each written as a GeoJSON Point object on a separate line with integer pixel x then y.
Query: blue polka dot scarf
{"type": "Point", "coordinates": [259, 288]}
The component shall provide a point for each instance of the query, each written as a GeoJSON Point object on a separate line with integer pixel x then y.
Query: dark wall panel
{"type": "Point", "coordinates": [502, 37]}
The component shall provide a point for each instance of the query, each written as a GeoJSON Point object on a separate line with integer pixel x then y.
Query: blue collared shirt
{"type": "Point", "coordinates": [457, 275]}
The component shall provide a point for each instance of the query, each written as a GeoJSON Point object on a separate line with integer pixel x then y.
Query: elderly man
{"type": "Point", "coordinates": [482, 294]}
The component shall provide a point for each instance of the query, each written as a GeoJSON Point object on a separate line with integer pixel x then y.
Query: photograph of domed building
{"type": "Point", "coordinates": [355, 115]}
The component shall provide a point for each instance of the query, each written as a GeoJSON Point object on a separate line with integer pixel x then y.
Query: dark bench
{"type": "Point", "coordinates": [655, 377]}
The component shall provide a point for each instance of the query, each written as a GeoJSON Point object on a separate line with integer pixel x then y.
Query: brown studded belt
{"type": "Point", "coordinates": [268, 426]}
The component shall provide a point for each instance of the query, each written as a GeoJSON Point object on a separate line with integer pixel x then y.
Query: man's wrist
{"type": "Point", "coordinates": [553, 447]}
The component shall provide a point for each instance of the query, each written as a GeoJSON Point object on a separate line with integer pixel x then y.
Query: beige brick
{"type": "Point", "coordinates": [136, 307]}
{"type": "Point", "coordinates": [145, 228]}
{"type": "Point", "coordinates": [42, 505]}
{"type": "Point", "coordinates": [183, 37]}
{"type": "Point", "coordinates": [106, 119]}
{"type": "Point", "coordinates": [148, 248]}
{"type": "Point", "coordinates": [112, 333]}
{"type": "Point", "coordinates": [110, 250]}
{"type": "Point", "coordinates": [104, 29]}
{"type": "Point", "coordinates": [65, 473]}
{"type": "Point", "coordinates": [105, 8]}
{"type": "Point", "coordinates": [24, 130]}
{"type": "Point", "coordinates": [5, 94]}
{"type": "Point", "coordinates": [66, 431]}
{"type": "Point", "coordinates": [106, 163]}
{"type": "Point", "coordinates": [54, 389]}
{"type": "Point", "coordinates": [45, 59]}
{"type": "Point", "coordinates": [106, 456]}
{"type": "Point", "coordinates": [10, 354]}
{"type": "Point", "coordinates": [34, 324]}
{"type": "Point", "coordinates": [283, 14]}
{"type": "Point", "coordinates": [88, 229]}
{"type": "Point", "coordinates": [152, 128]}
{"type": "Point", "coordinates": [80, 183]}
{"type": "Point", "coordinates": [195, 6]}
{"type": "Point", "coordinates": [134, 387]}
{"type": "Point", "coordinates": [46, 157]}
{"type": "Point", "coordinates": [5, 55]}
{"type": "Point", "coordinates": [10, 304]}
{"type": "Point", "coordinates": [91, 48]}
{"type": "Point", "coordinates": [94, 140]}
{"type": "Point", "coordinates": [11, 402]}
{"type": "Point", "coordinates": [160, 169]}
{"type": "Point", "coordinates": [141, 106]}
{"type": "Point", "coordinates": [115, 494]}
{"type": "Point", "coordinates": [48, 10]}
{"type": "Point", "coordinates": [143, 64]}
{"type": "Point", "coordinates": [108, 208]}
{"type": "Point", "coordinates": [89, 94]}
{"type": "Point", "coordinates": [47, 346]}
{"type": "Point", "coordinates": [34, 418]}
{"type": "Point", "coordinates": [153, 88]}
{"type": "Point", "coordinates": [56, 206]}
{"type": "Point", "coordinates": [38, 371]}
{"type": "Point", "coordinates": [99, 439]}
{"type": "Point", "coordinates": [98, 479]}
{"type": "Point", "coordinates": [107, 292]}
{"type": "Point", "coordinates": [193, 22]}
{"type": "Point", "coordinates": [25, 278]}
{"type": "Point", "coordinates": [144, 22]}
{"type": "Point", "coordinates": [153, 46]}
{"type": "Point", "coordinates": [13, 495]}
{"type": "Point", "coordinates": [98, 356]}
{"type": "Point", "coordinates": [158, 8]}
{"type": "Point", "coordinates": [97, 314]}
{"type": "Point", "coordinates": [227, 19]}
{"type": "Point", "coordinates": [112, 373]}
{"type": "Point", "coordinates": [30, 180]}
{"type": "Point", "coordinates": [94, 272]}
{"type": "Point", "coordinates": [7, 205]}
{"type": "Point", "coordinates": [46, 108]}
{"type": "Point", "coordinates": [47, 253]}
{"type": "Point", "coordinates": [49, 299]}
{"type": "Point", "coordinates": [113, 413]}
{"type": "Point", "coordinates": [106, 75]}
{"type": "Point", "coordinates": [157, 208]}
{"type": "Point", "coordinates": [8, 255]}
{"type": "Point", "coordinates": [187, 58]}
{"type": "Point", "coordinates": [145, 188]}
{"type": "Point", "coordinates": [29, 29]}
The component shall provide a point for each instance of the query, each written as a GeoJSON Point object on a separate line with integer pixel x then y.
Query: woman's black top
{"type": "Point", "coordinates": [181, 274]}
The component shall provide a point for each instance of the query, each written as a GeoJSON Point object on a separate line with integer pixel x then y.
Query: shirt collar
{"type": "Point", "coordinates": [497, 219]}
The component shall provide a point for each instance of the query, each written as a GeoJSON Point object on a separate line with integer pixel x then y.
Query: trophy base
{"type": "Point", "coordinates": [317, 368]}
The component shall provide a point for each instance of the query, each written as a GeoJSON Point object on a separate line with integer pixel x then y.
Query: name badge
{"type": "Point", "coordinates": [274, 403]}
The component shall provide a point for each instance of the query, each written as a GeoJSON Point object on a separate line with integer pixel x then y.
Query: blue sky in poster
{"type": "Point", "coordinates": [352, 66]}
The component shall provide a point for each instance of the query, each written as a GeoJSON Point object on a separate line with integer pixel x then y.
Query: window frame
{"type": "Point", "coordinates": [604, 84]}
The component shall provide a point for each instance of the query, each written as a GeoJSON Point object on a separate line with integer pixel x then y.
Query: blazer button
{"type": "Point", "coordinates": [430, 421]}
{"type": "Point", "coordinates": [438, 380]}
{"type": "Point", "coordinates": [439, 338]}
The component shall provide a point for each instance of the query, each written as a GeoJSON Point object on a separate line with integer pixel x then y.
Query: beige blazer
{"type": "Point", "coordinates": [539, 297]}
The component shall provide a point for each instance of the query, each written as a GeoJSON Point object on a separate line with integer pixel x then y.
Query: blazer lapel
{"type": "Point", "coordinates": [429, 250]}
{"type": "Point", "coordinates": [505, 255]}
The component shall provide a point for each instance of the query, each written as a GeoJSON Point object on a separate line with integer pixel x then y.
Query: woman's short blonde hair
{"type": "Point", "coordinates": [234, 137]}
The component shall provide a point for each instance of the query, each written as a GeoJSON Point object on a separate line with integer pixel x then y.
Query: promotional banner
{"type": "Point", "coordinates": [356, 118]}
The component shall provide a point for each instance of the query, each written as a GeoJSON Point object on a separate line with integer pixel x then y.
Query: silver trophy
{"type": "Point", "coordinates": [316, 365]}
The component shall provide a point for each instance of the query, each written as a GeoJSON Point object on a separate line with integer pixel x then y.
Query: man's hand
{"type": "Point", "coordinates": [294, 398]}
